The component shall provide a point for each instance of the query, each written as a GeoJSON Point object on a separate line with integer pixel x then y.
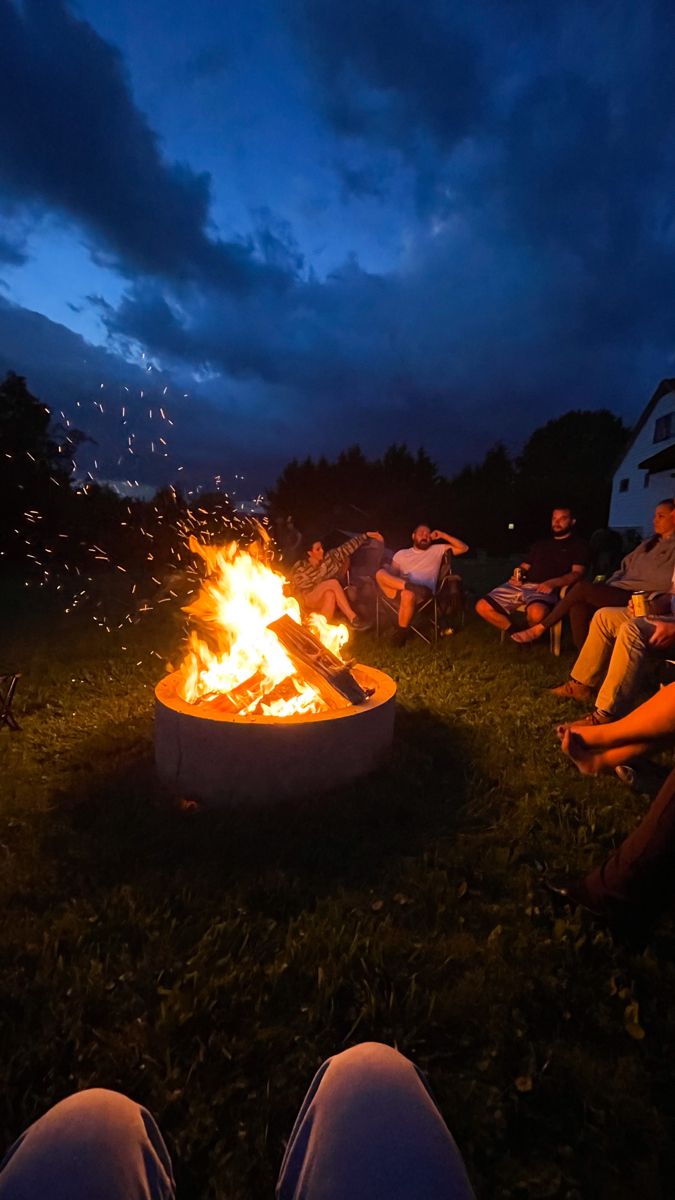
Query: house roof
{"type": "Point", "coordinates": [663, 460]}
{"type": "Point", "coordinates": [665, 386]}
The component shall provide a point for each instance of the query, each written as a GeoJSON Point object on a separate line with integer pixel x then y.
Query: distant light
{"type": "Point", "coordinates": [511, 525]}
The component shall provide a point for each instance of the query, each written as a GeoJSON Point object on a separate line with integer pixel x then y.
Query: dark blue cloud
{"type": "Point", "coordinates": [73, 140]}
{"type": "Point", "coordinates": [390, 70]}
{"type": "Point", "coordinates": [12, 252]}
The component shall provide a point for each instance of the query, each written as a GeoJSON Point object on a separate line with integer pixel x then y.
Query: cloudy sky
{"type": "Point", "coordinates": [307, 223]}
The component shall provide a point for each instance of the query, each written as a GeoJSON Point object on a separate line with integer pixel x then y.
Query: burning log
{"type": "Point", "coordinates": [318, 665]}
{"type": "Point", "coordinates": [241, 697]}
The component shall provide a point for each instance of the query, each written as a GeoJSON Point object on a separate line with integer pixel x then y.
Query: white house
{"type": "Point", "coordinates": [646, 473]}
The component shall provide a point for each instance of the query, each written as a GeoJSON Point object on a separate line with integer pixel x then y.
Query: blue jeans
{"type": "Point", "coordinates": [368, 1129]}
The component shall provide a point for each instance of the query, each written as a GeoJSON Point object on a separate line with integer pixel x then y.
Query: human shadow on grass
{"type": "Point", "coordinates": [119, 825]}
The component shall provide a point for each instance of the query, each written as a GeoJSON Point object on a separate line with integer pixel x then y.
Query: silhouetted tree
{"type": "Point", "coordinates": [570, 460]}
{"type": "Point", "coordinates": [34, 477]}
{"type": "Point", "coordinates": [480, 503]}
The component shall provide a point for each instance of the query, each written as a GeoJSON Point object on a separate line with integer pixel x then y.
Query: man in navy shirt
{"type": "Point", "coordinates": [551, 564]}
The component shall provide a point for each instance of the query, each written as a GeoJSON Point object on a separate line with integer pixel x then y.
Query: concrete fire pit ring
{"type": "Point", "coordinates": [223, 760]}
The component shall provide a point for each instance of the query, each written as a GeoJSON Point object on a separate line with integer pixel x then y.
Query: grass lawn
{"type": "Point", "coordinates": [206, 965]}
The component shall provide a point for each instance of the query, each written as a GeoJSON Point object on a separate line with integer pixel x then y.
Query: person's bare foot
{"type": "Point", "coordinates": [528, 635]}
{"type": "Point", "coordinates": [584, 758]}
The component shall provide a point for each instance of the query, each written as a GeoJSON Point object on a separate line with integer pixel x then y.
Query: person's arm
{"type": "Point", "coordinates": [335, 560]}
{"type": "Point", "coordinates": [561, 581]}
{"type": "Point", "coordinates": [457, 546]}
{"type": "Point", "coordinates": [622, 571]}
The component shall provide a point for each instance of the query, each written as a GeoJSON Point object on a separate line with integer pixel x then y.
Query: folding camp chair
{"type": "Point", "coordinates": [446, 602]}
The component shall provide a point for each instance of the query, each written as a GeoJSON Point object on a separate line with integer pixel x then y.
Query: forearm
{"type": "Point", "coordinates": [567, 580]}
{"type": "Point", "coordinates": [456, 544]}
{"type": "Point", "coordinates": [336, 559]}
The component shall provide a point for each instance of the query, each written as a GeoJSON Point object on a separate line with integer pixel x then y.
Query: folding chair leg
{"type": "Point", "coordinates": [6, 717]}
{"type": "Point", "coordinates": [555, 635]}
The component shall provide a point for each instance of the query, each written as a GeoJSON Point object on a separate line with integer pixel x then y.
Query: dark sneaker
{"type": "Point", "coordinates": [360, 625]}
{"type": "Point", "coordinates": [643, 776]}
{"type": "Point", "coordinates": [398, 636]}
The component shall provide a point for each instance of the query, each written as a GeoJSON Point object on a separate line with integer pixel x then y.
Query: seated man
{"type": "Point", "coordinates": [613, 658]}
{"type": "Point", "coordinates": [551, 564]}
{"type": "Point", "coordinates": [314, 579]}
{"type": "Point", "coordinates": [647, 568]}
{"type": "Point", "coordinates": [413, 573]}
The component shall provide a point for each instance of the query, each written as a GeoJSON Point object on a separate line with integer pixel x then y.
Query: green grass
{"type": "Point", "coordinates": [206, 964]}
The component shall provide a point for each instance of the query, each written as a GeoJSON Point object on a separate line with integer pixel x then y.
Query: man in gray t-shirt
{"type": "Point", "coordinates": [413, 573]}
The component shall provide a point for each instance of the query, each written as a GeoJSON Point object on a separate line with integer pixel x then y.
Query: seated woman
{"type": "Point", "coordinates": [315, 583]}
{"type": "Point", "coordinates": [648, 568]}
{"type": "Point", "coordinates": [637, 882]}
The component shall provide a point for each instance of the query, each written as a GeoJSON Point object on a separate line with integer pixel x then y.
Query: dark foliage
{"type": "Point", "coordinates": [498, 505]}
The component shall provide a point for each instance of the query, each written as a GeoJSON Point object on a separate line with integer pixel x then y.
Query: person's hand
{"type": "Point", "coordinates": [663, 635]}
{"type": "Point", "coordinates": [545, 587]}
{"type": "Point", "coordinates": [376, 536]}
{"type": "Point", "coordinates": [435, 534]}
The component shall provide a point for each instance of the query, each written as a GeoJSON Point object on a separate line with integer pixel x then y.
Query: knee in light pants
{"type": "Point", "coordinates": [95, 1145]}
{"type": "Point", "coordinates": [368, 1128]}
{"type": "Point", "coordinates": [617, 694]}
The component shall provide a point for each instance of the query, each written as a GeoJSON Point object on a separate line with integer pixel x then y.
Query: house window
{"type": "Point", "coordinates": [663, 428]}
{"type": "Point", "coordinates": [623, 485]}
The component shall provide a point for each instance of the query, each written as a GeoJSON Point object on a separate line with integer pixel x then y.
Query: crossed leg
{"type": "Point", "coordinates": [393, 585]}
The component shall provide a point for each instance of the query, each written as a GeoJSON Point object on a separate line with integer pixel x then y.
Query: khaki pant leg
{"type": "Point", "coordinates": [596, 652]}
{"type": "Point", "coordinates": [617, 694]}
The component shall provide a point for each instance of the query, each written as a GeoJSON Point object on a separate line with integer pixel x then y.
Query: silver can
{"type": "Point", "coordinates": [518, 575]}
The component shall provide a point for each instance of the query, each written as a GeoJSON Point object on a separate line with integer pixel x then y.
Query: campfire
{"type": "Point", "coordinates": [249, 653]}
{"type": "Point", "coordinates": [264, 703]}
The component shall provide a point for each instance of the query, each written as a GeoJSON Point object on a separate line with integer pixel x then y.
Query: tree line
{"type": "Point", "coordinates": [498, 505]}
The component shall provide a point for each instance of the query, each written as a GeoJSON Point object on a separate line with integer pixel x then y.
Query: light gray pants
{"type": "Point", "coordinates": [368, 1128]}
{"type": "Point", "coordinates": [613, 658]}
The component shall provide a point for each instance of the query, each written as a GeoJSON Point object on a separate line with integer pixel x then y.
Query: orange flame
{"type": "Point", "coordinates": [239, 598]}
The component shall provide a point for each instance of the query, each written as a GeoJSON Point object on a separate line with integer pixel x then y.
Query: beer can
{"type": "Point", "coordinates": [640, 604]}
{"type": "Point", "coordinates": [518, 575]}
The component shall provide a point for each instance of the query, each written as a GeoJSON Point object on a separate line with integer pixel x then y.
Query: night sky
{"type": "Point", "coordinates": [320, 222]}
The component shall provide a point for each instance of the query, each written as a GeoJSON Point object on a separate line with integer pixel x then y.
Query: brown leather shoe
{"type": "Point", "coordinates": [573, 691]}
{"type": "Point", "coordinates": [594, 718]}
